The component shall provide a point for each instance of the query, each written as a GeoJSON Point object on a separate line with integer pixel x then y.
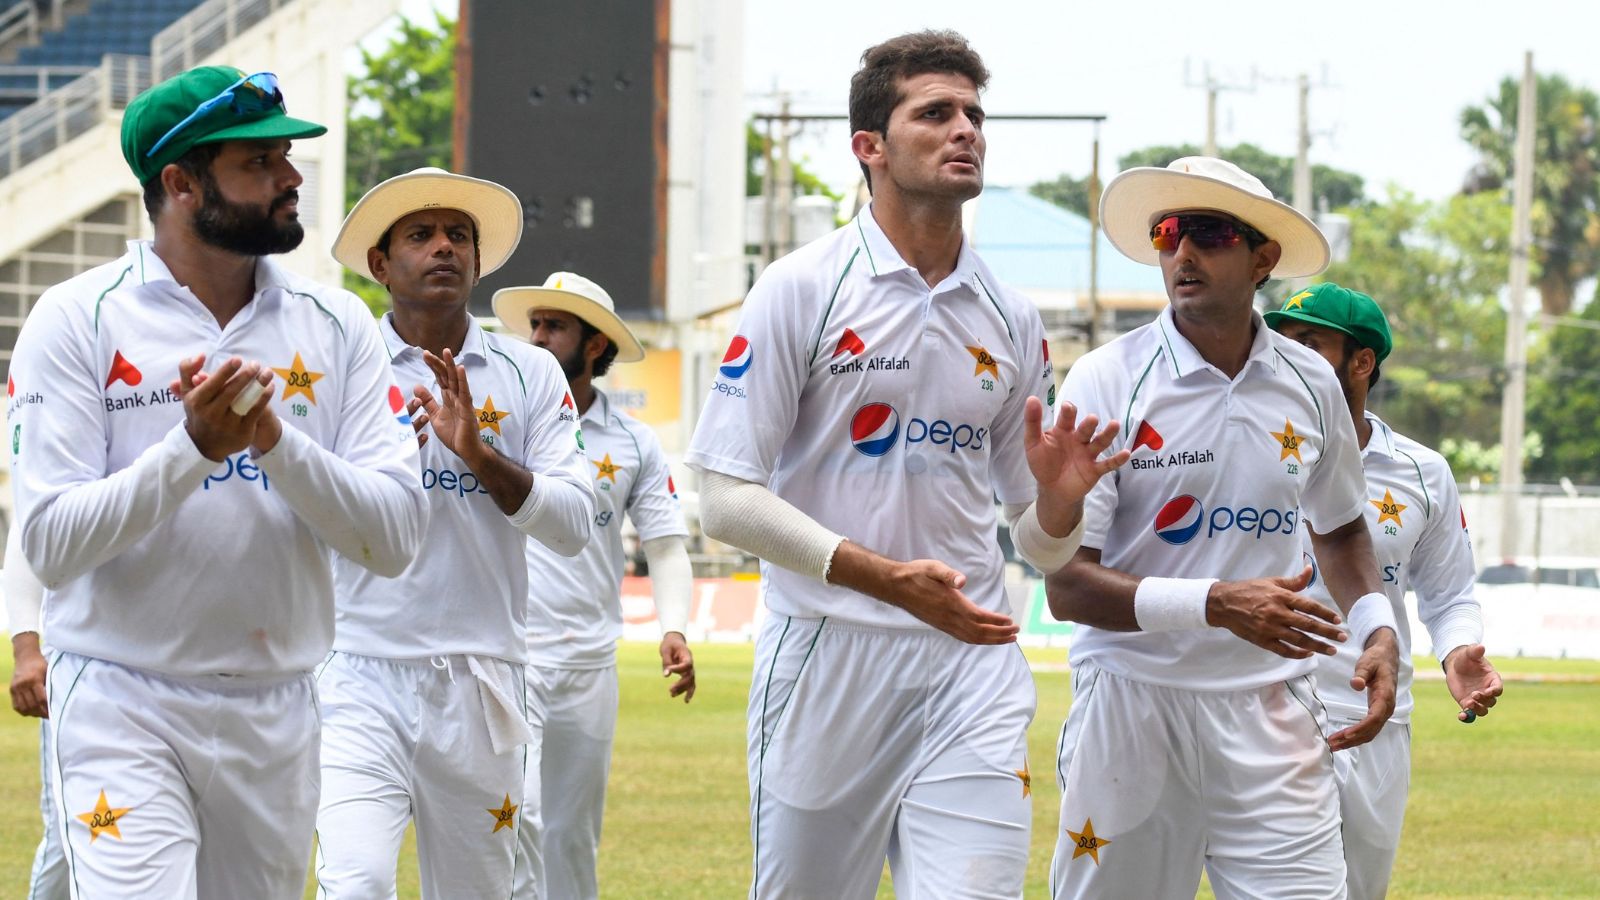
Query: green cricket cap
{"type": "Point", "coordinates": [1332, 306]}
{"type": "Point", "coordinates": [153, 114]}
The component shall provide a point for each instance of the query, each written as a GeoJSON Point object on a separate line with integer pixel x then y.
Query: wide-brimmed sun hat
{"type": "Point", "coordinates": [1137, 198]}
{"type": "Point", "coordinates": [572, 293]}
{"type": "Point", "coordinates": [492, 207]}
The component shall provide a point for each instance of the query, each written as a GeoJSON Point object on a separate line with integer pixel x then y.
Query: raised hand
{"type": "Point", "coordinates": [1066, 460]}
{"type": "Point", "coordinates": [454, 418]}
{"type": "Point", "coordinates": [217, 431]}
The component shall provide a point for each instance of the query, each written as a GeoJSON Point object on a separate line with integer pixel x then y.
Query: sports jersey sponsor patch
{"type": "Point", "coordinates": [1048, 368]}
{"type": "Point", "coordinates": [1316, 572]}
{"type": "Point", "coordinates": [874, 429]}
{"type": "Point", "coordinates": [141, 399]}
{"type": "Point", "coordinates": [452, 482]}
{"type": "Point", "coordinates": [739, 358]}
{"type": "Point", "coordinates": [1181, 519]}
{"type": "Point", "coordinates": [1147, 436]}
{"type": "Point", "coordinates": [397, 405]}
{"type": "Point", "coordinates": [123, 371]}
{"type": "Point", "coordinates": [240, 466]}
{"type": "Point", "coordinates": [849, 345]}
{"type": "Point", "coordinates": [568, 411]}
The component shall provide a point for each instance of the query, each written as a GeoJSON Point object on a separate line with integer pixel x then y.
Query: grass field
{"type": "Point", "coordinates": [1508, 807]}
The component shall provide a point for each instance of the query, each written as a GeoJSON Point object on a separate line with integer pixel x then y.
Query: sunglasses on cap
{"type": "Point", "coordinates": [246, 98]}
{"type": "Point", "coordinates": [1205, 232]}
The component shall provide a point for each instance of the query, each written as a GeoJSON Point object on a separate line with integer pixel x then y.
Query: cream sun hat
{"type": "Point", "coordinates": [567, 292]}
{"type": "Point", "coordinates": [1137, 198]}
{"type": "Point", "coordinates": [493, 208]}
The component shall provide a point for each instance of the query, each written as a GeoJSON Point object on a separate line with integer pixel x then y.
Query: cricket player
{"type": "Point", "coordinates": [860, 426]}
{"type": "Point", "coordinates": [1419, 533]}
{"type": "Point", "coordinates": [422, 698]}
{"type": "Point", "coordinates": [1195, 735]}
{"type": "Point", "coordinates": [575, 606]}
{"type": "Point", "coordinates": [183, 506]}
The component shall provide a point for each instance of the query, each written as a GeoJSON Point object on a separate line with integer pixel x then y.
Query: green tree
{"type": "Point", "coordinates": [1564, 399]}
{"type": "Point", "coordinates": [806, 182]}
{"type": "Point", "coordinates": [1437, 271]}
{"type": "Point", "coordinates": [1566, 176]}
{"type": "Point", "coordinates": [1065, 191]}
{"type": "Point", "coordinates": [401, 117]}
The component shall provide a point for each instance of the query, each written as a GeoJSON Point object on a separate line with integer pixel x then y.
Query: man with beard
{"type": "Point", "coordinates": [182, 506]}
{"type": "Point", "coordinates": [883, 390]}
{"type": "Point", "coordinates": [1420, 535]}
{"type": "Point", "coordinates": [575, 606]}
{"type": "Point", "coordinates": [423, 697]}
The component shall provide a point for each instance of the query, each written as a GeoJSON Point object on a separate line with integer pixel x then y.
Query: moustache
{"type": "Point", "coordinates": [287, 198]}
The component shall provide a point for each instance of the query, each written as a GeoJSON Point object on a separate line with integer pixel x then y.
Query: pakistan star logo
{"type": "Point", "coordinates": [298, 380]}
{"type": "Point", "coordinates": [983, 362]}
{"type": "Point", "coordinates": [1288, 442]}
{"type": "Point", "coordinates": [489, 417]}
{"type": "Point", "coordinates": [505, 816]}
{"type": "Point", "coordinates": [1085, 843]}
{"type": "Point", "coordinates": [1388, 509]}
{"type": "Point", "coordinates": [103, 819]}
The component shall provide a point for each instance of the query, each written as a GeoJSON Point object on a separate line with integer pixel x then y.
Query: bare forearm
{"type": "Point", "coordinates": [508, 484]}
{"type": "Point", "coordinates": [1091, 594]}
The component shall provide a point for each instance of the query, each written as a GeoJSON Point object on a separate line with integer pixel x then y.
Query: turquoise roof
{"type": "Point", "coordinates": [1033, 243]}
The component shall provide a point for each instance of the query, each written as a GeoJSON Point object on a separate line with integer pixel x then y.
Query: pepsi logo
{"type": "Point", "coordinates": [397, 405]}
{"type": "Point", "coordinates": [737, 360]}
{"type": "Point", "coordinates": [1315, 572]}
{"type": "Point", "coordinates": [1179, 520]}
{"type": "Point", "coordinates": [874, 429]}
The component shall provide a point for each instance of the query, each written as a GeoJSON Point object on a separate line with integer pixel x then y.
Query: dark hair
{"type": "Point", "coordinates": [602, 363]}
{"type": "Point", "coordinates": [196, 162]}
{"type": "Point", "coordinates": [875, 88]}
{"type": "Point", "coordinates": [1351, 345]}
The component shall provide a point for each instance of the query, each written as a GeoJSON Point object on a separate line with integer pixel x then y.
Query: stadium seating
{"type": "Point", "coordinates": [107, 26]}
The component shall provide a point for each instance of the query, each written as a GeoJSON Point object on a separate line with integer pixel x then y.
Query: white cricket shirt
{"type": "Point", "coordinates": [1220, 472]}
{"type": "Point", "coordinates": [575, 605]}
{"type": "Point", "coordinates": [466, 590]}
{"type": "Point", "coordinates": [1419, 535]}
{"type": "Point", "coordinates": [888, 411]}
{"type": "Point", "coordinates": [161, 559]}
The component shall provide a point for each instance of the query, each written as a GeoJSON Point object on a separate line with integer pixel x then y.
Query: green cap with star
{"type": "Point", "coordinates": [1340, 308]}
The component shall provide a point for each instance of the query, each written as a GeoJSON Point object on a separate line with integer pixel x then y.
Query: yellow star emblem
{"type": "Point", "coordinates": [489, 417]}
{"type": "Point", "coordinates": [103, 819]}
{"type": "Point", "coordinates": [606, 469]}
{"type": "Point", "coordinates": [1085, 842]}
{"type": "Point", "coordinates": [505, 816]}
{"type": "Point", "coordinates": [984, 361]}
{"type": "Point", "coordinates": [1389, 509]}
{"type": "Point", "coordinates": [1295, 301]}
{"type": "Point", "coordinates": [298, 380]}
{"type": "Point", "coordinates": [1027, 780]}
{"type": "Point", "coordinates": [1288, 441]}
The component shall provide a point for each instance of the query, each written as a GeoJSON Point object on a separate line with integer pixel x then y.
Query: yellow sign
{"type": "Point", "coordinates": [650, 390]}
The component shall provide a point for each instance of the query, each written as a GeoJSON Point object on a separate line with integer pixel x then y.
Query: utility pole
{"type": "Point", "coordinates": [1094, 242]}
{"type": "Point", "coordinates": [1511, 407]}
{"type": "Point", "coordinates": [784, 182]}
{"type": "Point", "coordinates": [1302, 162]}
{"type": "Point", "coordinates": [1212, 87]}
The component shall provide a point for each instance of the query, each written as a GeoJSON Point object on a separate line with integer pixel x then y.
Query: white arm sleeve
{"type": "Point", "coordinates": [754, 519]}
{"type": "Point", "coordinates": [671, 581]}
{"type": "Point", "coordinates": [1043, 552]}
{"type": "Point", "coordinates": [556, 514]}
{"type": "Point", "coordinates": [24, 593]}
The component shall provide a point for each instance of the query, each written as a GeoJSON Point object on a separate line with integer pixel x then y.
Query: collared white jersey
{"type": "Point", "coordinates": [889, 412]}
{"type": "Point", "coordinates": [575, 605]}
{"type": "Point", "coordinates": [179, 564]}
{"type": "Point", "coordinates": [466, 592]}
{"type": "Point", "coordinates": [1419, 535]}
{"type": "Point", "coordinates": [1220, 472]}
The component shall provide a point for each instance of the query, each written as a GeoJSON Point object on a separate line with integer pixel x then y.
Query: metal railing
{"type": "Point", "coordinates": [203, 31]}
{"type": "Point", "coordinates": [39, 80]}
{"type": "Point", "coordinates": [22, 19]}
{"type": "Point", "coordinates": [71, 110]}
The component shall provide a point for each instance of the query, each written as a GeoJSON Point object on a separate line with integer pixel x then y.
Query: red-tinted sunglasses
{"type": "Point", "coordinates": [1205, 232]}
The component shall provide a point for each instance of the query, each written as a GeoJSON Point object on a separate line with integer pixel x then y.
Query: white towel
{"type": "Point", "coordinates": [508, 726]}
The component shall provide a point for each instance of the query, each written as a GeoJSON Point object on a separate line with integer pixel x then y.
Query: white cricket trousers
{"type": "Point", "coordinates": [181, 788]}
{"type": "Point", "coordinates": [1374, 780]}
{"type": "Point", "coordinates": [48, 880]}
{"type": "Point", "coordinates": [575, 713]}
{"type": "Point", "coordinates": [406, 740]}
{"type": "Point", "coordinates": [1157, 782]}
{"type": "Point", "coordinates": [868, 742]}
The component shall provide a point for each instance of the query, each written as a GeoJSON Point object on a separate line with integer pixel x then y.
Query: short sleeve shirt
{"type": "Point", "coordinates": [1223, 474]}
{"type": "Point", "coordinates": [888, 411]}
{"type": "Point", "coordinates": [575, 605]}
{"type": "Point", "coordinates": [466, 590]}
{"type": "Point", "coordinates": [1419, 534]}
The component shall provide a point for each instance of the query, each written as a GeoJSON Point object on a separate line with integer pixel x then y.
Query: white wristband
{"type": "Point", "coordinates": [1171, 604]}
{"type": "Point", "coordinates": [1371, 612]}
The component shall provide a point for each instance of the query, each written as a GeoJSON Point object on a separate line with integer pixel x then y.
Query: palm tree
{"type": "Point", "coordinates": [1566, 177]}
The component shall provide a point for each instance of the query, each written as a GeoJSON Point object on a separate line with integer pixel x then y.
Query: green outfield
{"type": "Point", "coordinates": [1508, 807]}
